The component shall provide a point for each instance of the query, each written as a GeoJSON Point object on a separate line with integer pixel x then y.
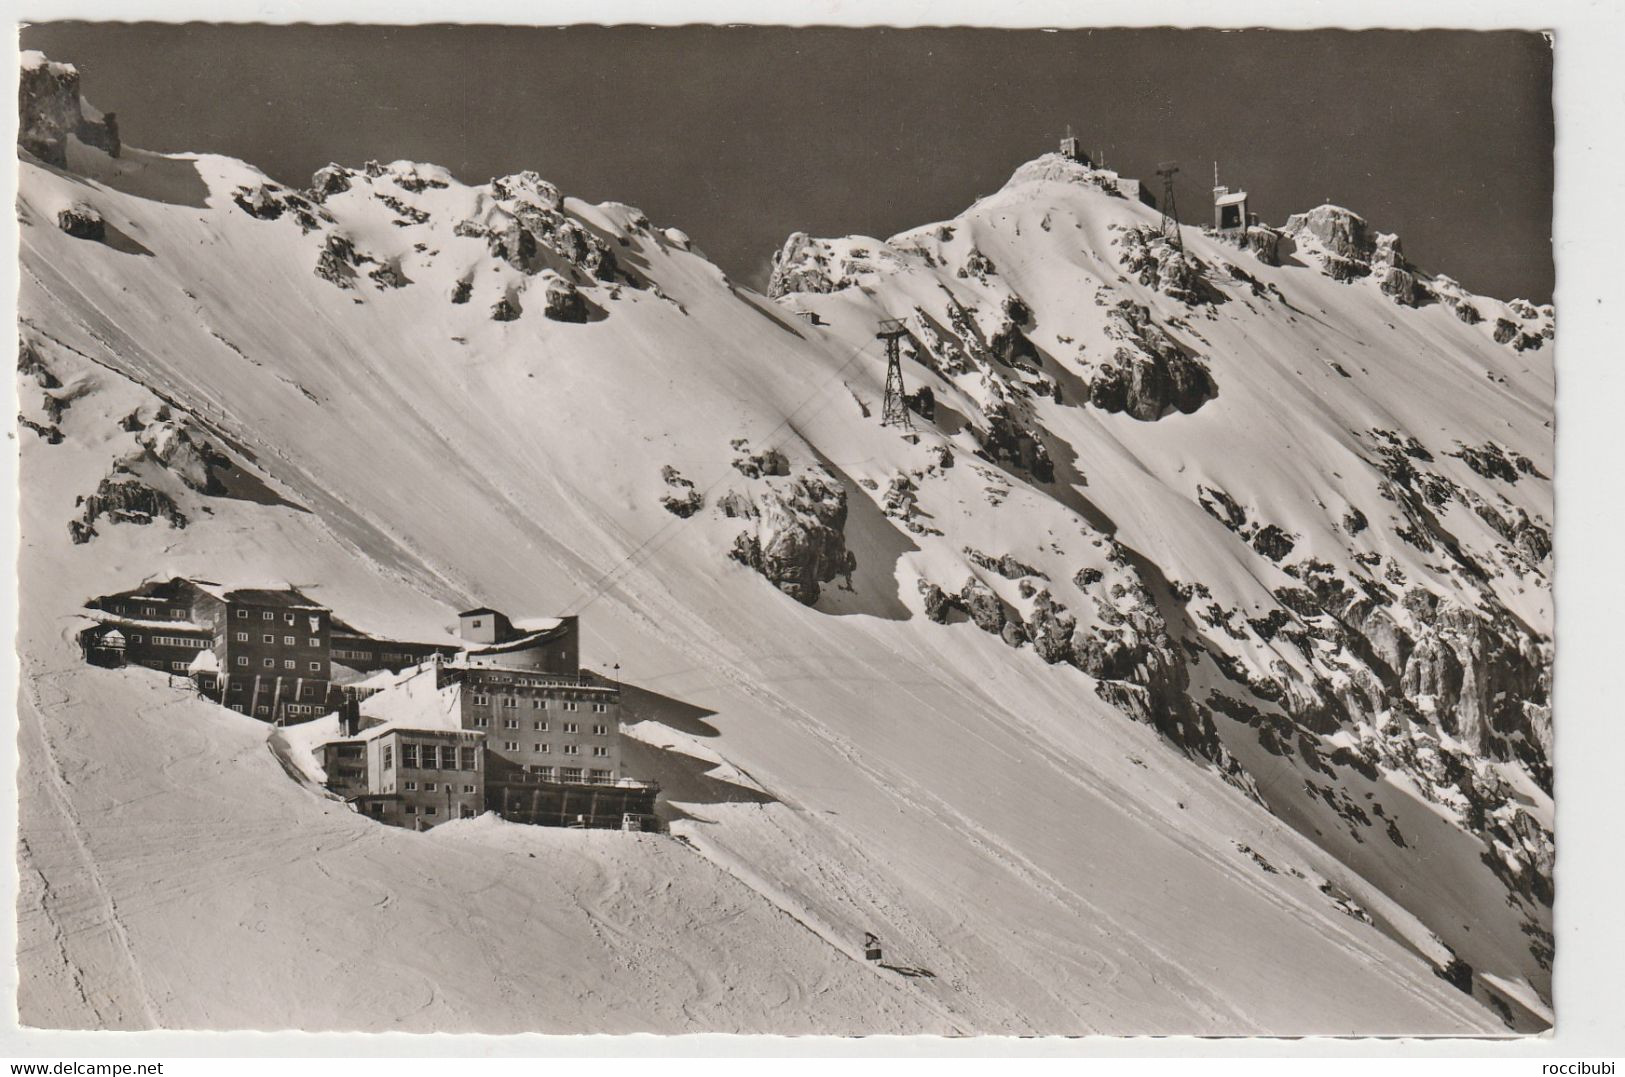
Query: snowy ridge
{"type": "Point", "coordinates": [421, 391]}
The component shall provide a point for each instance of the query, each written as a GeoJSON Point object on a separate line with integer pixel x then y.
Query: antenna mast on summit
{"type": "Point", "coordinates": [1170, 212]}
{"type": "Point", "coordinates": [895, 410]}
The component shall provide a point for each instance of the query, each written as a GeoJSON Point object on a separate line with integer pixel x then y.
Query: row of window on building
{"type": "Point", "coordinates": [189, 642]}
{"type": "Point", "coordinates": [431, 787]}
{"type": "Point", "coordinates": [543, 748]}
{"type": "Point", "coordinates": [268, 615]}
{"type": "Point", "coordinates": [296, 687]}
{"type": "Point", "coordinates": [434, 757]}
{"type": "Point", "coordinates": [287, 663]}
{"type": "Point", "coordinates": [166, 667]}
{"type": "Point", "coordinates": [463, 810]}
{"type": "Point", "coordinates": [295, 710]}
{"type": "Point", "coordinates": [347, 653]}
{"type": "Point", "coordinates": [512, 702]}
{"type": "Point", "coordinates": [479, 721]}
{"type": "Point", "coordinates": [570, 775]}
{"type": "Point", "coordinates": [564, 680]}
{"type": "Point", "coordinates": [287, 641]}
{"type": "Point", "coordinates": [130, 609]}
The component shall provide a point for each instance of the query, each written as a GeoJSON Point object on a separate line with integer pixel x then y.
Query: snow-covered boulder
{"type": "Point", "coordinates": [82, 221]}
{"type": "Point", "coordinates": [181, 448]}
{"type": "Point", "coordinates": [796, 535]}
{"type": "Point", "coordinates": [1265, 243]}
{"type": "Point", "coordinates": [564, 301]}
{"type": "Point", "coordinates": [329, 180]}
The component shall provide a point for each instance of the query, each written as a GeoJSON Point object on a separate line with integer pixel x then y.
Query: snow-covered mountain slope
{"type": "Point", "coordinates": [1091, 698]}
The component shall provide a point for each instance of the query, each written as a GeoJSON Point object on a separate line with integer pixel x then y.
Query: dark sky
{"type": "Point", "coordinates": [741, 135]}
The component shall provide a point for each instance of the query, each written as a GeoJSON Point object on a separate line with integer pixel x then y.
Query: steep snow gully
{"type": "Point", "coordinates": [1185, 670]}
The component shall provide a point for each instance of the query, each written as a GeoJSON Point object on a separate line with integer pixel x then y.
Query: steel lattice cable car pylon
{"type": "Point", "coordinates": [894, 412]}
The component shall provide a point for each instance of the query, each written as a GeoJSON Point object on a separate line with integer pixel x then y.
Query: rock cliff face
{"type": "Point", "coordinates": [1148, 255]}
{"type": "Point", "coordinates": [525, 223]}
{"type": "Point", "coordinates": [797, 268]}
{"type": "Point", "coordinates": [1349, 249]}
{"type": "Point", "coordinates": [124, 500]}
{"type": "Point", "coordinates": [1150, 374]}
{"type": "Point", "coordinates": [795, 534]}
{"type": "Point", "coordinates": [50, 111]}
{"type": "Point", "coordinates": [182, 449]}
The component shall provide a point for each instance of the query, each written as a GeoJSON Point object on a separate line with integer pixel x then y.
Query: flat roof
{"type": "Point", "coordinates": [288, 599]}
{"type": "Point", "coordinates": [482, 609]}
{"type": "Point", "coordinates": [520, 643]}
{"type": "Point", "coordinates": [285, 595]}
{"type": "Point", "coordinates": [153, 626]}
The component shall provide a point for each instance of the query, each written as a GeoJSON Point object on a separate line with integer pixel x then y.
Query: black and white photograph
{"type": "Point", "coordinates": [794, 531]}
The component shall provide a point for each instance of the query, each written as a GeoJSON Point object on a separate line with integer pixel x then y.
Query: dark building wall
{"type": "Point", "coordinates": [553, 804]}
{"type": "Point", "coordinates": [140, 613]}
{"type": "Point", "coordinates": [275, 659]}
{"type": "Point", "coordinates": [346, 765]}
{"type": "Point", "coordinates": [368, 655]}
{"type": "Point", "coordinates": [171, 650]}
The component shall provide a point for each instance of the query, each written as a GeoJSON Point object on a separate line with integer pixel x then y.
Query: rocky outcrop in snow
{"type": "Point", "coordinates": [803, 265]}
{"type": "Point", "coordinates": [269, 201]}
{"type": "Point", "coordinates": [50, 111]}
{"type": "Point", "coordinates": [1265, 243]}
{"type": "Point", "coordinates": [1007, 440]}
{"type": "Point", "coordinates": [329, 180]}
{"type": "Point", "coordinates": [1147, 255]}
{"type": "Point", "coordinates": [796, 535]}
{"type": "Point", "coordinates": [82, 221]}
{"type": "Point", "coordinates": [1150, 374]}
{"type": "Point", "coordinates": [685, 499]}
{"type": "Point", "coordinates": [563, 302]}
{"type": "Point", "coordinates": [1125, 644]}
{"type": "Point", "coordinates": [124, 500]}
{"type": "Point", "coordinates": [1348, 249]}
{"type": "Point", "coordinates": [525, 223]}
{"type": "Point", "coordinates": [180, 447]}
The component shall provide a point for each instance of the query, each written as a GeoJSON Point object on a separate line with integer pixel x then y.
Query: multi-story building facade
{"type": "Point", "coordinates": [272, 651]}
{"type": "Point", "coordinates": [551, 737]}
{"type": "Point", "coordinates": [150, 626]}
{"type": "Point", "coordinates": [272, 648]}
{"type": "Point", "coordinates": [553, 745]}
{"type": "Point", "coordinates": [411, 777]}
{"type": "Point", "coordinates": [356, 650]}
{"type": "Point", "coordinates": [559, 727]}
{"type": "Point", "coordinates": [509, 722]}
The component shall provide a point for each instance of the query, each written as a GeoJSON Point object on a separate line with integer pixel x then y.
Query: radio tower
{"type": "Point", "coordinates": [895, 410]}
{"type": "Point", "coordinates": [1170, 213]}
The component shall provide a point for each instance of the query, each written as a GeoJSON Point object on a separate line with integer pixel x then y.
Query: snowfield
{"type": "Point", "coordinates": [1179, 818]}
